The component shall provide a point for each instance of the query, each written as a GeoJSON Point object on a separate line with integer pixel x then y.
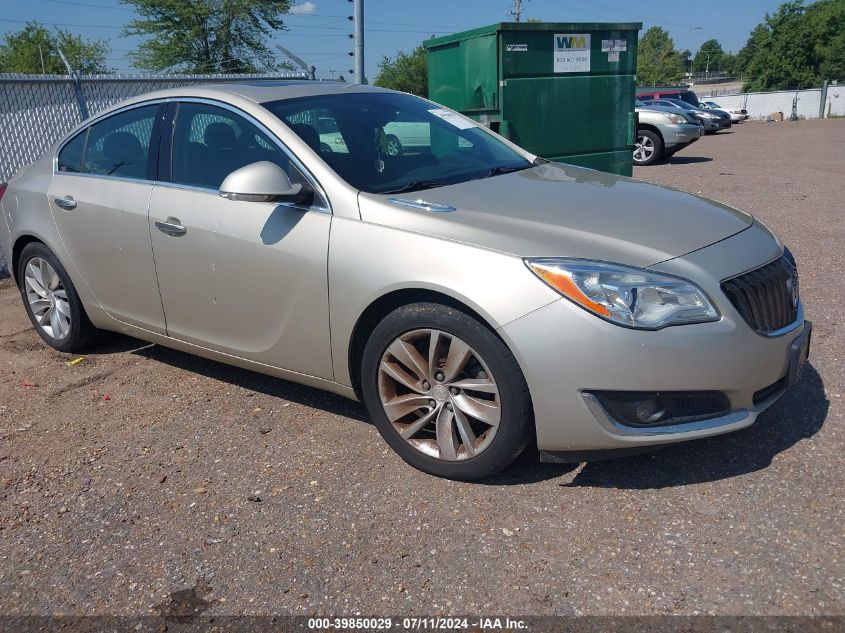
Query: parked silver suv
{"type": "Point", "coordinates": [663, 131]}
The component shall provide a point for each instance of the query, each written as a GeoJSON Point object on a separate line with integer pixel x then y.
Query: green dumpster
{"type": "Point", "coordinates": [563, 91]}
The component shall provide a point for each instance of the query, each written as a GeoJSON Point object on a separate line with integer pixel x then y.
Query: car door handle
{"type": "Point", "coordinates": [171, 227]}
{"type": "Point", "coordinates": [67, 203]}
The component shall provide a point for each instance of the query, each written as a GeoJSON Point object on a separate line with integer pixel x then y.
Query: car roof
{"type": "Point", "coordinates": [258, 91]}
{"type": "Point", "coordinates": [262, 91]}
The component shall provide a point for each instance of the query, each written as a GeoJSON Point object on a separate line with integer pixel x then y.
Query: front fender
{"type": "Point", "coordinates": [368, 261]}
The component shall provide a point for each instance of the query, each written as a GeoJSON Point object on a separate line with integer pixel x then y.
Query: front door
{"type": "Point", "coordinates": [99, 197]}
{"type": "Point", "coordinates": [244, 278]}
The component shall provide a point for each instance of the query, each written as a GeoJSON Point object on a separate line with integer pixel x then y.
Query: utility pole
{"type": "Point", "coordinates": [358, 18]}
{"type": "Point", "coordinates": [516, 11]}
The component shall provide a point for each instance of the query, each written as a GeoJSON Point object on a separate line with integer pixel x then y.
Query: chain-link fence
{"type": "Point", "coordinates": [37, 110]}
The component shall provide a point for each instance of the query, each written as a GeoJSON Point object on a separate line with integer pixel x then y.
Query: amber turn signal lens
{"type": "Point", "coordinates": [563, 284]}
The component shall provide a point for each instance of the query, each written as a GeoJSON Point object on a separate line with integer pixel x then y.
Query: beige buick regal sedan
{"type": "Point", "coordinates": [474, 296]}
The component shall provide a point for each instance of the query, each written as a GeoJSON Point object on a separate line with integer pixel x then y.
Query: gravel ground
{"type": "Point", "coordinates": [139, 481]}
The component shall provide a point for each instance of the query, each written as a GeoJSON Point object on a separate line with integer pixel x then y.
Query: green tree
{"type": "Point", "coordinates": [756, 41]}
{"type": "Point", "coordinates": [796, 46]}
{"type": "Point", "coordinates": [826, 23]}
{"type": "Point", "coordinates": [657, 60]}
{"type": "Point", "coordinates": [785, 57]}
{"type": "Point", "coordinates": [686, 60]}
{"type": "Point", "coordinates": [206, 36]}
{"type": "Point", "coordinates": [709, 57]}
{"type": "Point", "coordinates": [407, 72]}
{"type": "Point", "coordinates": [24, 52]}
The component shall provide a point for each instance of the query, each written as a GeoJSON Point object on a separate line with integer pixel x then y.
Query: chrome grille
{"type": "Point", "coordinates": [764, 296]}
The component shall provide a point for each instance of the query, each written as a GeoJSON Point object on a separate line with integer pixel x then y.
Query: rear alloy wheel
{"type": "Point", "coordinates": [445, 392]}
{"type": "Point", "coordinates": [51, 301]}
{"type": "Point", "coordinates": [648, 149]}
{"type": "Point", "coordinates": [394, 147]}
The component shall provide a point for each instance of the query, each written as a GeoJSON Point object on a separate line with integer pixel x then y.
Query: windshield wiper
{"type": "Point", "coordinates": [417, 185]}
{"type": "Point", "coordinates": [506, 170]}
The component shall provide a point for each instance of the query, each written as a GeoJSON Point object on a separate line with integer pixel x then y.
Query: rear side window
{"type": "Point", "coordinates": [120, 144]}
{"type": "Point", "coordinates": [70, 157]}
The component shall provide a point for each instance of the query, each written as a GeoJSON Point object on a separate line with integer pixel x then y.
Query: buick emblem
{"type": "Point", "coordinates": [793, 288]}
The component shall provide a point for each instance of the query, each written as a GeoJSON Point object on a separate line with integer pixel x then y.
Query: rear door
{"type": "Point", "coordinates": [244, 278]}
{"type": "Point", "coordinates": [99, 197]}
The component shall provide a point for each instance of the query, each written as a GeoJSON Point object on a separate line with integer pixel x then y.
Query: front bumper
{"type": "Point", "coordinates": [680, 134]}
{"type": "Point", "coordinates": [564, 351]}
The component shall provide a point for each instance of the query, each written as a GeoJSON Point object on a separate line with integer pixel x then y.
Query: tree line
{"type": "Point", "coordinates": [798, 45]}
{"type": "Point", "coordinates": [202, 36]}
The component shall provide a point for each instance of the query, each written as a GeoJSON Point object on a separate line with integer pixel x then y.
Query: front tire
{"type": "Point", "coordinates": [648, 148]}
{"type": "Point", "coordinates": [51, 301]}
{"type": "Point", "coordinates": [445, 392]}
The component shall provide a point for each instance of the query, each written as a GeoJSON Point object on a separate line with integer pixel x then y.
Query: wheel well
{"type": "Point", "coordinates": [16, 254]}
{"type": "Point", "coordinates": [386, 304]}
{"type": "Point", "coordinates": [650, 128]}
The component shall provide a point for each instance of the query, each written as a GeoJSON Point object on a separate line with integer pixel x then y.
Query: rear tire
{"type": "Point", "coordinates": [648, 149]}
{"type": "Point", "coordinates": [465, 416]}
{"type": "Point", "coordinates": [51, 301]}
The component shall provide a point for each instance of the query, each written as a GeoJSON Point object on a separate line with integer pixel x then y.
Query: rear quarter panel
{"type": "Point", "coordinates": [27, 214]}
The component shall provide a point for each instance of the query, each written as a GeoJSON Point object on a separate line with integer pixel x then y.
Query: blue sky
{"type": "Point", "coordinates": [319, 32]}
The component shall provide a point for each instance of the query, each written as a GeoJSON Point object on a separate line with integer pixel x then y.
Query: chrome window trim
{"type": "Point", "coordinates": [614, 427]}
{"type": "Point", "coordinates": [275, 139]}
{"type": "Point", "coordinates": [221, 104]}
{"type": "Point", "coordinates": [93, 121]}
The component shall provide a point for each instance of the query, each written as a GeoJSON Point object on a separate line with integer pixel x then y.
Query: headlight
{"type": "Point", "coordinates": [674, 118]}
{"type": "Point", "coordinates": [624, 295]}
{"type": "Point", "coordinates": [708, 115]}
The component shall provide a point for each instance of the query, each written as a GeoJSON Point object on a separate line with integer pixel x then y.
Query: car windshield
{"type": "Point", "coordinates": [393, 142]}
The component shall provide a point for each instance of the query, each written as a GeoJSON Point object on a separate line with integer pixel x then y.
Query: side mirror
{"type": "Point", "coordinates": [263, 182]}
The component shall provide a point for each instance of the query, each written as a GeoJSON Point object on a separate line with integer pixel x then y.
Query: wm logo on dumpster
{"type": "Point", "coordinates": [572, 42]}
{"type": "Point", "coordinates": [572, 53]}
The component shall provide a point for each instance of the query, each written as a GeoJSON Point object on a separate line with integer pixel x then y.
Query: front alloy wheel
{"type": "Point", "coordinates": [445, 392]}
{"type": "Point", "coordinates": [439, 395]}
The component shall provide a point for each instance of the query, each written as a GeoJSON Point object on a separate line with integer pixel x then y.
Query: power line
{"type": "Point", "coordinates": [592, 4]}
{"type": "Point", "coordinates": [298, 26]}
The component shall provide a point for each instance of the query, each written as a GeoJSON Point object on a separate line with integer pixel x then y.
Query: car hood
{"type": "Point", "coordinates": [560, 210]}
{"type": "Point", "coordinates": [663, 109]}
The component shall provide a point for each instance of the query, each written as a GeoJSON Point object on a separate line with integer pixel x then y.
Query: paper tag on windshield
{"type": "Point", "coordinates": [451, 117]}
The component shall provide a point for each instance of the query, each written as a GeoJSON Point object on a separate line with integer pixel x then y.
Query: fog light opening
{"type": "Point", "coordinates": [642, 409]}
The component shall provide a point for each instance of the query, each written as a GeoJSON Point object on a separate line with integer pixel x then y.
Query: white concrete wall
{"type": "Point", "coordinates": [761, 104]}
{"type": "Point", "coordinates": [835, 105]}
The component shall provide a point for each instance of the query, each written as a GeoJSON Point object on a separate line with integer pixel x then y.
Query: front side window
{"type": "Point", "coordinates": [119, 145]}
{"type": "Point", "coordinates": [210, 142]}
{"type": "Point", "coordinates": [395, 142]}
{"type": "Point", "coordinates": [70, 156]}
